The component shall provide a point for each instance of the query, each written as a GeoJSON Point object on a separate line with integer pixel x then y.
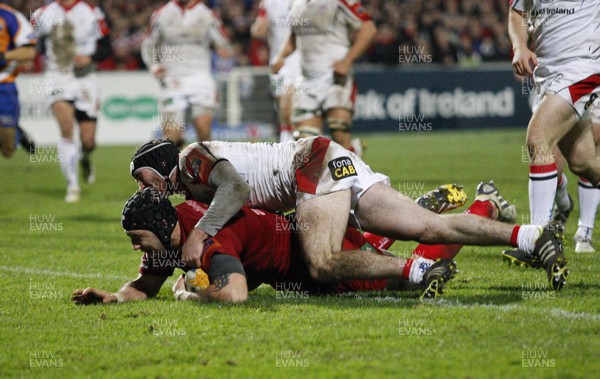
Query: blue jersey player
{"type": "Point", "coordinates": [17, 44]}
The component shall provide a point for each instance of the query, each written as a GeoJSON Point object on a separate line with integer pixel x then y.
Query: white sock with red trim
{"type": "Point", "coordinates": [415, 268]}
{"type": "Point", "coordinates": [542, 188]}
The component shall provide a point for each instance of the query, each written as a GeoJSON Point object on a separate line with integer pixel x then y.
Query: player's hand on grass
{"type": "Point", "coordinates": [191, 252]}
{"type": "Point", "coordinates": [92, 296]}
{"type": "Point", "coordinates": [179, 284]}
{"type": "Point", "coordinates": [524, 62]}
{"type": "Point", "coordinates": [181, 293]}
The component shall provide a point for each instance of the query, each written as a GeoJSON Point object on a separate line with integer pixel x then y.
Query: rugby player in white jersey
{"type": "Point", "coordinates": [566, 70]}
{"type": "Point", "coordinates": [178, 51]}
{"type": "Point", "coordinates": [589, 196]}
{"type": "Point", "coordinates": [565, 66]}
{"type": "Point", "coordinates": [71, 30]}
{"type": "Point", "coordinates": [324, 182]}
{"type": "Point", "coordinates": [273, 22]}
{"type": "Point", "coordinates": [330, 35]}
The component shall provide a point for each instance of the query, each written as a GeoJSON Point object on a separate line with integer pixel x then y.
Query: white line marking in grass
{"type": "Point", "coordinates": [27, 270]}
{"type": "Point", "coordinates": [553, 312]}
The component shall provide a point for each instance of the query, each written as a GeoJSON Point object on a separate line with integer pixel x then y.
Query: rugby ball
{"type": "Point", "coordinates": [196, 280]}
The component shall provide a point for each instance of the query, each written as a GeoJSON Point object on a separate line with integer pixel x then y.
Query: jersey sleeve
{"type": "Point", "coordinates": [35, 20]}
{"type": "Point", "coordinates": [102, 29]}
{"type": "Point", "coordinates": [353, 12]}
{"type": "Point", "coordinates": [153, 38]}
{"type": "Point", "coordinates": [216, 33]}
{"type": "Point", "coordinates": [218, 245]}
{"type": "Point", "coordinates": [196, 162]}
{"type": "Point", "coordinates": [262, 10]}
{"type": "Point", "coordinates": [24, 35]}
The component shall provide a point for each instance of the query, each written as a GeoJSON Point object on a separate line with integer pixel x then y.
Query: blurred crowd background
{"type": "Point", "coordinates": [450, 32]}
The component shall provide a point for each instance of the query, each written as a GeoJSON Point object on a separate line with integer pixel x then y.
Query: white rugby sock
{"type": "Point", "coordinates": [285, 133]}
{"type": "Point", "coordinates": [527, 236]}
{"type": "Point", "coordinates": [542, 187]}
{"type": "Point", "coordinates": [583, 233]}
{"type": "Point", "coordinates": [562, 196]}
{"type": "Point", "coordinates": [67, 152]}
{"type": "Point", "coordinates": [589, 198]}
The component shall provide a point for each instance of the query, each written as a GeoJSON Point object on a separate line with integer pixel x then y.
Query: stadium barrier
{"type": "Point", "coordinates": [415, 100]}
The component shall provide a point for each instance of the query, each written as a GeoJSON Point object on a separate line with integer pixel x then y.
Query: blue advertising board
{"type": "Point", "coordinates": [439, 99]}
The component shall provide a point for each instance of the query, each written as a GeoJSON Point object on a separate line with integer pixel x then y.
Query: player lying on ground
{"type": "Point", "coordinates": [324, 182]}
{"type": "Point", "coordinates": [257, 247]}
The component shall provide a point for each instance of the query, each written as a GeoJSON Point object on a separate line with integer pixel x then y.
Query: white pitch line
{"type": "Point", "coordinates": [553, 312]}
{"type": "Point", "coordinates": [27, 270]}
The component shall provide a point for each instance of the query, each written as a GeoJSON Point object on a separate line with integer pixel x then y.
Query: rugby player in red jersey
{"type": "Point", "coordinates": [255, 247]}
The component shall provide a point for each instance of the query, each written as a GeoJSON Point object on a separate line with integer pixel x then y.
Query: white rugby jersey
{"type": "Point", "coordinates": [566, 35]}
{"type": "Point", "coordinates": [277, 13]}
{"type": "Point", "coordinates": [180, 39]}
{"type": "Point", "coordinates": [323, 30]}
{"type": "Point", "coordinates": [69, 31]}
{"type": "Point", "coordinates": [268, 168]}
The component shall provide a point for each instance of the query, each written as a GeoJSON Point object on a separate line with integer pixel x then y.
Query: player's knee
{"type": "Point", "coordinates": [231, 295]}
{"type": "Point", "coordinates": [88, 146]}
{"type": "Point", "coordinates": [539, 144]}
{"type": "Point", "coordinates": [7, 150]}
{"type": "Point", "coordinates": [339, 125]}
{"type": "Point", "coordinates": [321, 270]}
{"type": "Point", "coordinates": [321, 273]}
{"type": "Point", "coordinates": [428, 232]}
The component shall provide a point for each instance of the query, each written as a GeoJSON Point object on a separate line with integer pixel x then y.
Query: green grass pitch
{"type": "Point", "coordinates": [494, 321]}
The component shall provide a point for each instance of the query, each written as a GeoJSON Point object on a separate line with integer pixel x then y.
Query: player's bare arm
{"type": "Point", "coordinates": [141, 288]}
{"type": "Point", "coordinates": [524, 60]}
{"type": "Point", "coordinates": [363, 38]}
{"type": "Point", "coordinates": [20, 54]}
{"type": "Point", "coordinates": [231, 192]}
{"type": "Point", "coordinates": [288, 48]}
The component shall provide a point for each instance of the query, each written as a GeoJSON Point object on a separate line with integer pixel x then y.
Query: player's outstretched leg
{"type": "Point", "coordinates": [488, 203]}
{"type": "Point", "coordinates": [383, 210]}
{"type": "Point", "coordinates": [326, 218]}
